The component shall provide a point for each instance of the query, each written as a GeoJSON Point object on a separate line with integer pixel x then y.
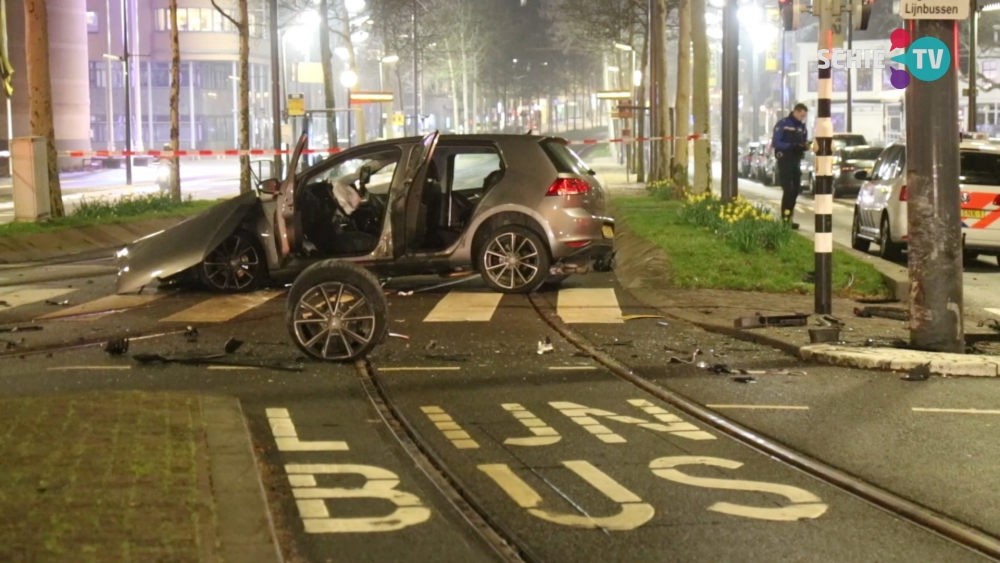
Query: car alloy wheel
{"type": "Point", "coordinates": [888, 250]}
{"type": "Point", "coordinates": [336, 312]}
{"type": "Point", "coordinates": [514, 260]}
{"type": "Point", "coordinates": [237, 265]}
{"type": "Point", "coordinates": [858, 243]}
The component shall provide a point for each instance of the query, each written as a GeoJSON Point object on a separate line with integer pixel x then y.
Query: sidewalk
{"type": "Point", "coordinates": [868, 343]}
{"type": "Point", "coordinates": [130, 476]}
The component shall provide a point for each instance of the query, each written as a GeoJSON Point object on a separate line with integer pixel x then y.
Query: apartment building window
{"type": "Point", "coordinates": [839, 77]}
{"type": "Point", "coordinates": [813, 77]}
{"type": "Point", "coordinates": [990, 70]}
{"type": "Point", "coordinates": [197, 19]}
{"type": "Point", "coordinates": [887, 76]}
{"type": "Point", "coordinates": [161, 75]}
{"type": "Point", "coordinates": [93, 26]}
{"type": "Point", "coordinates": [865, 78]}
{"type": "Point", "coordinates": [98, 75]}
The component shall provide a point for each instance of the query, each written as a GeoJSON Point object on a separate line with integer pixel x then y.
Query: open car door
{"type": "Point", "coordinates": [287, 220]}
{"type": "Point", "coordinates": [406, 209]}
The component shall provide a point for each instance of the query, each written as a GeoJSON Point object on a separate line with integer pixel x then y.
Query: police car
{"type": "Point", "coordinates": [880, 209]}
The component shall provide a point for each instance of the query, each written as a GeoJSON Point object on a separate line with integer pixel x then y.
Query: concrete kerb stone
{"type": "Point", "coordinates": [638, 260]}
{"type": "Point", "coordinates": [71, 242]}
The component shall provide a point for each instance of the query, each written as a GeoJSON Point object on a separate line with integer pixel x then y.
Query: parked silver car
{"type": "Point", "coordinates": [521, 210]}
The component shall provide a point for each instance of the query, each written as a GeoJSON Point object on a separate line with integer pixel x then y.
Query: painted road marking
{"type": "Point", "coordinates": [107, 305]}
{"type": "Point", "coordinates": [571, 368]}
{"type": "Point", "coordinates": [459, 306]}
{"type": "Point", "coordinates": [89, 368]}
{"type": "Point", "coordinates": [451, 430]}
{"type": "Point", "coordinates": [633, 514]}
{"type": "Point", "coordinates": [232, 368]}
{"type": "Point", "coordinates": [767, 407]}
{"type": "Point", "coordinates": [993, 311]}
{"type": "Point", "coordinates": [804, 504]}
{"type": "Point", "coordinates": [584, 416]}
{"type": "Point", "coordinates": [956, 411]}
{"type": "Point", "coordinates": [544, 435]}
{"type": "Point", "coordinates": [379, 484]}
{"type": "Point", "coordinates": [287, 438]}
{"type": "Point", "coordinates": [223, 308]}
{"type": "Point", "coordinates": [16, 297]}
{"type": "Point", "coordinates": [447, 368]}
{"type": "Point", "coordinates": [588, 305]}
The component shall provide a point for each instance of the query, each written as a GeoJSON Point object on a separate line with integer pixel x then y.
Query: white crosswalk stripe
{"type": "Point", "coordinates": [586, 305]}
{"type": "Point", "coordinates": [459, 306]}
{"type": "Point", "coordinates": [108, 304]}
{"type": "Point", "coordinates": [222, 308]}
{"type": "Point", "coordinates": [18, 296]}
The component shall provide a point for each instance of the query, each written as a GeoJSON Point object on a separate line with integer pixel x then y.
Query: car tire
{"type": "Point", "coordinates": [888, 250]}
{"type": "Point", "coordinates": [858, 243]}
{"type": "Point", "coordinates": [237, 265]}
{"type": "Point", "coordinates": [336, 312]}
{"type": "Point", "coordinates": [513, 242]}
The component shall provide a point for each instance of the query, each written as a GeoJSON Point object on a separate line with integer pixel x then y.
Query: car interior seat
{"type": "Point", "coordinates": [429, 213]}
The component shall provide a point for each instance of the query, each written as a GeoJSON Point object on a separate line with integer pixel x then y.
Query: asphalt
{"type": "Point", "coordinates": [595, 500]}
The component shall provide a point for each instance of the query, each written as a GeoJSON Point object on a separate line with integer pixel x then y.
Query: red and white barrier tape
{"type": "Point", "coordinates": [273, 152]}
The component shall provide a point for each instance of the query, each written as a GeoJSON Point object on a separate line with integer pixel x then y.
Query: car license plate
{"type": "Point", "coordinates": [609, 231]}
{"type": "Point", "coordinates": [973, 213]}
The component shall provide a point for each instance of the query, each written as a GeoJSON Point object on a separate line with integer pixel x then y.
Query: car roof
{"type": "Point", "coordinates": [981, 146]}
{"type": "Point", "coordinates": [495, 137]}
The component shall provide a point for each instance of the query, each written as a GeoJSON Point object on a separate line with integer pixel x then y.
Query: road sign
{"type": "Point", "coordinates": [399, 119]}
{"type": "Point", "coordinates": [934, 9]}
{"type": "Point", "coordinates": [296, 104]}
{"type": "Point", "coordinates": [371, 97]}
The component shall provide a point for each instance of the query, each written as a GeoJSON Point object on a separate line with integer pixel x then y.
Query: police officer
{"type": "Point", "coordinates": [790, 142]}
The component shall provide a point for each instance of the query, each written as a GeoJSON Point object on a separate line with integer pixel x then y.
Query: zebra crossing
{"type": "Point", "coordinates": [39, 304]}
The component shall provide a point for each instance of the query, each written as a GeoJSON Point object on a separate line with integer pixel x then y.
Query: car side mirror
{"type": "Point", "coordinates": [271, 186]}
{"type": "Point", "coordinates": [861, 175]}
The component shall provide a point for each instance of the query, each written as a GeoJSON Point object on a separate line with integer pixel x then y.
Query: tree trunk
{"type": "Point", "coordinates": [454, 86]}
{"type": "Point", "coordinates": [475, 90]}
{"type": "Point", "coordinates": [682, 115]}
{"type": "Point", "coordinates": [244, 96]}
{"type": "Point", "coordinates": [36, 44]}
{"type": "Point", "coordinates": [175, 100]}
{"type": "Point", "coordinates": [663, 113]}
{"type": "Point", "coordinates": [702, 146]}
{"type": "Point", "coordinates": [326, 61]}
{"type": "Point", "coordinates": [642, 114]}
{"type": "Point", "coordinates": [359, 122]}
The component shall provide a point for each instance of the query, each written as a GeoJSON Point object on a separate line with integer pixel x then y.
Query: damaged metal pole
{"type": "Point", "coordinates": [823, 190]}
{"type": "Point", "coordinates": [730, 100]}
{"type": "Point", "coordinates": [933, 209]}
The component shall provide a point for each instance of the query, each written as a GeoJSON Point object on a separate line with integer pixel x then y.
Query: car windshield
{"type": "Point", "coordinates": [565, 160]}
{"type": "Point", "coordinates": [862, 154]}
{"type": "Point", "coordinates": [981, 168]}
{"type": "Point", "coordinates": [849, 141]}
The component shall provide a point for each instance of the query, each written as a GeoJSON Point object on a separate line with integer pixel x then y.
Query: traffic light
{"type": "Point", "coordinates": [861, 12]}
{"type": "Point", "coordinates": [790, 10]}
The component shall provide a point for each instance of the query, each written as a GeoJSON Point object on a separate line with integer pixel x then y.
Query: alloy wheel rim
{"type": "Point", "coordinates": [234, 264]}
{"type": "Point", "coordinates": [512, 261]}
{"type": "Point", "coordinates": [334, 320]}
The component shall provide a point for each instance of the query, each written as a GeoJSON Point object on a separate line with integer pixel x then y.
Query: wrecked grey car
{"type": "Point", "coordinates": [521, 210]}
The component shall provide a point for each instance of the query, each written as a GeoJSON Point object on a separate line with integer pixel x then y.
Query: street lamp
{"type": "Point", "coordinates": [384, 60]}
{"type": "Point", "coordinates": [128, 110]}
{"type": "Point", "coordinates": [349, 79]}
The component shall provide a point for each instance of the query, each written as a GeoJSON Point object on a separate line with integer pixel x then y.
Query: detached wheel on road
{"type": "Point", "coordinates": [336, 312]}
{"type": "Point", "coordinates": [888, 250]}
{"type": "Point", "coordinates": [513, 259]}
{"type": "Point", "coordinates": [858, 243]}
{"type": "Point", "coordinates": [237, 265]}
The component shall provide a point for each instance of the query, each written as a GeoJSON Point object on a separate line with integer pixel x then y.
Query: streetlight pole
{"type": "Point", "coordinates": [416, 77]}
{"type": "Point", "coordinates": [973, 65]}
{"type": "Point", "coordinates": [128, 97]}
{"type": "Point", "coordinates": [275, 87]}
{"type": "Point", "coordinates": [730, 99]}
{"type": "Point", "coordinates": [850, 72]}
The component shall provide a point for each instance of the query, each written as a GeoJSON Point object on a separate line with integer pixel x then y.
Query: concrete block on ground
{"type": "Point", "coordinates": [903, 360]}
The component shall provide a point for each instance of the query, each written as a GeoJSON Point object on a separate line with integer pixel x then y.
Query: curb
{"type": "Point", "coordinates": [78, 241]}
{"type": "Point", "coordinates": [639, 259]}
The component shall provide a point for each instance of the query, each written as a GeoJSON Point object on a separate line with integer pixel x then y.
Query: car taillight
{"type": "Point", "coordinates": [902, 194]}
{"type": "Point", "coordinates": [996, 200]}
{"type": "Point", "coordinates": [568, 186]}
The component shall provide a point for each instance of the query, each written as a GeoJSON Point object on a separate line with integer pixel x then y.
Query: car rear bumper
{"type": "Point", "coordinates": [590, 245]}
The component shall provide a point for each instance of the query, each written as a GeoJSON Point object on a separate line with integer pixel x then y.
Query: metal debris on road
{"type": "Point", "coordinates": [892, 313]}
{"type": "Point", "coordinates": [160, 359]}
{"type": "Point", "coordinates": [397, 335]}
{"type": "Point", "coordinates": [876, 301]}
{"type": "Point", "coordinates": [694, 356]}
{"type": "Point", "coordinates": [20, 329]}
{"type": "Point", "coordinates": [850, 283]}
{"type": "Point", "coordinates": [4, 304]}
{"type": "Point", "coordinates": [663, 323]}
{"type": "Point", "coordinates": [760, 321]}
{"type": "Point", "coordinates": [445, 284]}
{"type": "Point", "coordinates": [191, 334]}
{"type": "Point", "coordinates": [824, 335]}
{"type": "Point", "coordinates": [830, 320]}
{"type": "Point", "coordinates": [57, 303]}
{"type": "Point", "coordinates": [745, 379]}
{"type": "Point", "coordinates": [461, 358]}
{"type": "Point", "coordinates": [431, 345]}
{"type": "Point", "coordinates": [637, 317]}
{"type": "Point", "coordinates": [404, 293]}
{"type": "Point", "coordinates": [723, 369]}
{"type": "Point", "coordinates": [620, 343]}
{"type": "Point", "coordinates": [991, 323]}
{"type": "Point", "coordinates": [116, 346]}
{"type": "Point", "coordinates": [919, 373]}
{"type": "Point", "coordinates": [232, 345]}
{"type": "Point", "coordinates": [545, 346]}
